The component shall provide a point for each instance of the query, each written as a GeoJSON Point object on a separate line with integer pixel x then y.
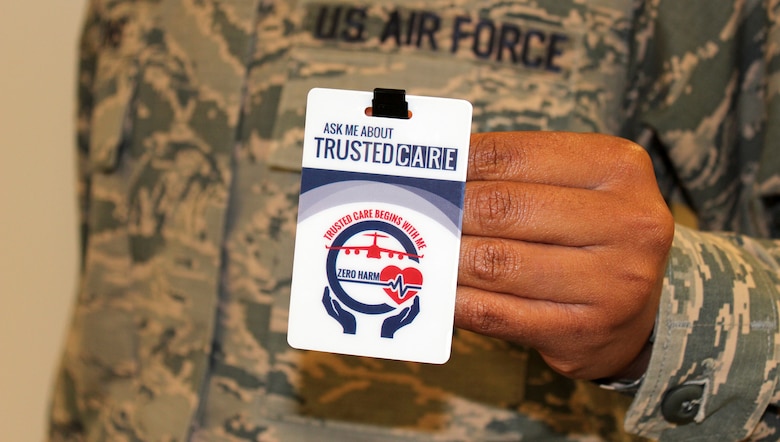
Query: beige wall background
{"type": "Point", "coordinates": [38, 243]}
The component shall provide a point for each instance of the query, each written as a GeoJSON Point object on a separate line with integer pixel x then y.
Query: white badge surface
{"type": "Point", "coordinates": [379, 223]}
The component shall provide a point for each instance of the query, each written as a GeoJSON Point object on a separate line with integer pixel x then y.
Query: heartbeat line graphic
{"type": "Point", "coordinates": [397, 285]}
{"type": "Point", "coordinates": [393, 284]}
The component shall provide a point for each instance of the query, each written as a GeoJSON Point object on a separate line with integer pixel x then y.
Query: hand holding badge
{"type": "Point", "coordinates": [379, 224]}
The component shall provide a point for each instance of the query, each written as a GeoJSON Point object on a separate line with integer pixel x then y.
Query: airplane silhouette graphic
{"type": "Point", "coordinates": [373, 250]}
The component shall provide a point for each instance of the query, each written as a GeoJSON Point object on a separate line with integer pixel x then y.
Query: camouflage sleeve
{"type": "Point", "coordinates": [703, 83]}
{"type": "Point", "coordinates": [705, 80]}
{"type": "Point", "coordinates": [63, 421]}
{"type": "Point", "coordinates": [713, 373]}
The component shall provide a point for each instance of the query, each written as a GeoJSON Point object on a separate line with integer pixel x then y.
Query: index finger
{"type": "Point", "coordinates": [568, 159]}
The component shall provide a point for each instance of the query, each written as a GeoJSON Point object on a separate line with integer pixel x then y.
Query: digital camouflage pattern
{"type": "Point", "coordinates": [190, 122]}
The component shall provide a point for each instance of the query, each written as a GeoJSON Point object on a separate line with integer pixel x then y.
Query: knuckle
{"type": "Point", "coordinates": [641, 278]}
{"type": "Point", "coordinates": [491, 155]}
{"type": "Point", "coordinates": [654, 225]}
{"type": "Point", "coordinates": [492, 205]}
{"type": "Point", "coordinates": [662, 231]}
{"type": "Point", "coordinates": [629, 161]}
{"type": "Point", "coordinates": [491, 260]}
{"type": "Point", "coordinates": [483, 317]}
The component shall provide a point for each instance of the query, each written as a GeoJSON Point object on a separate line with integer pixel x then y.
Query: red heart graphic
{"type": "Point", "coordinates": [399, 281]}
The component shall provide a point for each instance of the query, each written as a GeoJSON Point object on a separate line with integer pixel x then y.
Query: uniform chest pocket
{"type": "Point", "coordinates": [519, 70]}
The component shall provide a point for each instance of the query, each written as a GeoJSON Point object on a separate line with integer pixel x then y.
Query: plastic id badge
{"type": "Point", "coordinates": [379, 223]}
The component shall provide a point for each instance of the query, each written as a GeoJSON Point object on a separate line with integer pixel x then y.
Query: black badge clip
{"type": "Point", "coordinates": [390, 103]}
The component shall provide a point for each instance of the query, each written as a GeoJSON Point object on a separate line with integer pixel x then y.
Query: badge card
{"type": "Point", "coordinates": [379, 224]}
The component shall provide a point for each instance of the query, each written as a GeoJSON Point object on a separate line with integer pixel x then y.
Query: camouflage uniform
{"type": "Point", "coordinates": [190, 122]}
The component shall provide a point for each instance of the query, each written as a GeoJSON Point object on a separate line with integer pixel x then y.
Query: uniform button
{"type": "Point", "coordinates": [681, 404]}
